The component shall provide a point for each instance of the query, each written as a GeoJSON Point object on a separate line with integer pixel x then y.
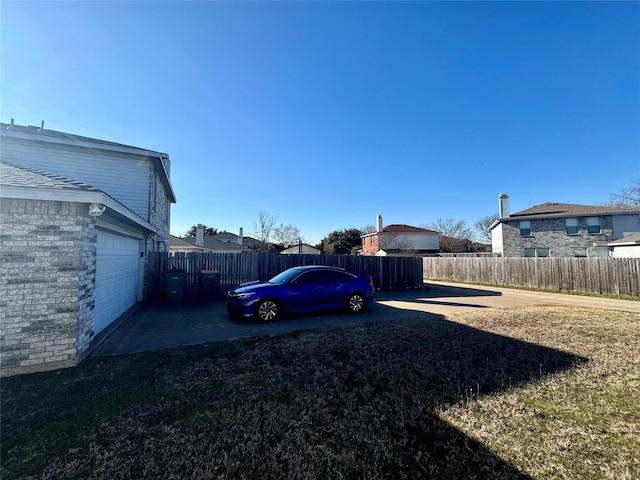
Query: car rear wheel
{"type": "Point", "coordinates": [267, 310]}
{"type": "Point", "coordinates": [356, 302]}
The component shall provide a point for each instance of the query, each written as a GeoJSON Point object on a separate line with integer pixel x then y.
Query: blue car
{"type": "Point", "coordinates": [301, 289]}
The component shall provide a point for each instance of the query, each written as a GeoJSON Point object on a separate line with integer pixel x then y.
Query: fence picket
{"type": "Point", "coordinates": [388, 273]}
{"type": "Point", "coordinates": [615, 276]}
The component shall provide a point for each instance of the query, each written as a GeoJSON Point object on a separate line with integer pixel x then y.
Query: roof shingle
{"type": "Point", "coordinates": [399, 228]}
{"type": "Point", "coordinates": [552, 209]}
{"type": "Point", "coordinates": [13, 175]}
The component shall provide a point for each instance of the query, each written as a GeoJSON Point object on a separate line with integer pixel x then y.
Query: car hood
{"type": "Point", "coordinates": [251, 286]}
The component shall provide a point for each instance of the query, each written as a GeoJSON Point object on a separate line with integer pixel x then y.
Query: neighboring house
{"type": "Point", "coordinates": [181, 245]}
{"type": "Point", "coordinates": [302, 248]}
{"type": "Point", "coordinates": [219, 243]}
{"type": "Point", "coordinates": [628, 246]}
{"type": "Point", "coordinates": [78, 217]}
{"type": "Point", "coordinates": [560, 230]}
{"type": "Point", "coordinates": [400, 240]}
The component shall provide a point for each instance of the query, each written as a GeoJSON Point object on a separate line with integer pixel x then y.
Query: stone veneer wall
{"type": "Point", "coordinates": [159, 208]}
{"type": "Point", "coordinates": [551, 233]}
{"type": "Point", "coordinates": [47, 260]}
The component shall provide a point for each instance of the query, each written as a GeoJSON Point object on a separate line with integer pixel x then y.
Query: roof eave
{"type": "Point", "coordinates": [114, 208]}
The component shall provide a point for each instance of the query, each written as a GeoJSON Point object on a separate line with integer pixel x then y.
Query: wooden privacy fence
{"type": "Point", "coordinates": [615, 276]}
{"type": "Point", "coordinates": [388, 273]}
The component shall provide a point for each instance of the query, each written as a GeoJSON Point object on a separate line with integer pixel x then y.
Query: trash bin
{"type": "Point", "coordinates": [175, 281]}
{"type": "Point", "coordinates": [209, 285]}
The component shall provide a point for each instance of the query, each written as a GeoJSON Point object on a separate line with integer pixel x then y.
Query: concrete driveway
{"type": "Point", "coordinates": [159, 327]}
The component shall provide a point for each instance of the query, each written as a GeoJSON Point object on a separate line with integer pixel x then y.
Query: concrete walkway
{"type": "Point", "coordinates": [449, 298]}
{"type": "Point", "coordinates": [159, 327]}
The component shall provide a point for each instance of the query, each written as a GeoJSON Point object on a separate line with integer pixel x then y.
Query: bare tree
{"type": "Point", "coordinates": [368, 229]}
{"type": "Point", "coordinates": [262, 230]}
{"type": "Point", "coordinates": [628, 198]}
{"type": "Point", "coordinates": [454, 235]}
{"type": "Point", "coordinates": [391, 240]}
{"type": "Point", "coordinates": [482, 226]}
{"type": "Point", "coordinates": [287, 235]}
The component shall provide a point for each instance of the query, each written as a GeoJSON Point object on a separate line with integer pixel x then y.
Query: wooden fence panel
{"type": "Point", "coordinates": [615, 276]}
{"type": "Point", "coordinates": [388, 273]}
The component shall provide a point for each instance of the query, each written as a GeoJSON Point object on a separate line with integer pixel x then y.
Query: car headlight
{"type": "Point", "coordinates": [244, 296]}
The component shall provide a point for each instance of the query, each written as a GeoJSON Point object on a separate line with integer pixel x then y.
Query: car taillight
{"type": "Point", "coordinates": [370, 282]}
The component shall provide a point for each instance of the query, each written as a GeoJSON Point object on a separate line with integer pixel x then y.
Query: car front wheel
{"type": "Point", "coordinates": [356, 303]}
{"type": "Point", "coordinates": [267, 310]}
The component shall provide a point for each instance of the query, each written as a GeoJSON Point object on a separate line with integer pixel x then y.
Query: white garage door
{"type": "Point", "coordinates": [117, 272]}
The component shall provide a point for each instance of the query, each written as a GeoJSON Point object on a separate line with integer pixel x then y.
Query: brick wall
{"type": "Point", "coordinates": [47, 260]}
{"type": "Point", "coordinates": [369, 247]}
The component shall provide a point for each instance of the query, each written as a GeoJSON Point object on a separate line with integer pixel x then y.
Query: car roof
{"type": "Point", "coordinates": [305, 268]}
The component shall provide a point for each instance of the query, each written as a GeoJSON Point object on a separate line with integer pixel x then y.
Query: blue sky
{"type": "Point", "coordinates": [326, 114]}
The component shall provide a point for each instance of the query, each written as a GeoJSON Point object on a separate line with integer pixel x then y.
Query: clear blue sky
{"type": "Point", "coordinates": [326, 114]}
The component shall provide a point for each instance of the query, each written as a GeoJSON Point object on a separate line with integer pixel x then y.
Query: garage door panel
{"type": "Point", "coordinates": [117, 268]}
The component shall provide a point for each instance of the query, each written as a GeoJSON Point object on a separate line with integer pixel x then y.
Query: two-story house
{"type": "Point", "coordinates": [560, 229]}
{"type": "Point", "coordinates": [399, 240]}
{"type": "Point", "coordinates": [78, 217]}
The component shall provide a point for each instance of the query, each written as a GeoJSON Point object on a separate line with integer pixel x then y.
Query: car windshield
{"type": "Point", "coordinates": [285, 276]}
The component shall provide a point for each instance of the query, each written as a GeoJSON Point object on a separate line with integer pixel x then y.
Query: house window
{"type": "Point", "coordinates": [602, 251]}
{"type": "Point", "coordinates": [525, 228]}
{"type": "Point", "coordinates": [536, 252]}
{"type": "Point", "coordinates": [572, 226]}
{"type": "Point", "coordinates": [580, 252]}
{"type": "Point", "coordinates": [593, 225]}
{"type": "Point", "coordinates": [371, 240]}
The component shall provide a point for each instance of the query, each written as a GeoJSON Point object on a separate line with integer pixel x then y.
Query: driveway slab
{"type": "Point", "coordinates": [160, 326]}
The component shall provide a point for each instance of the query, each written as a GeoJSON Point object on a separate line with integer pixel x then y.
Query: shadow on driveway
{"type": "Point", "coordinates": [161, 326]}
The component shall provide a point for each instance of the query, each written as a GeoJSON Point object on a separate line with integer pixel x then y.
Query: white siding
{"type": "Point", "coordinates": [410, 241]}
{"type": "Point", "coordinates": [626, 251]}
{"type": "Point", "coordinates": [496, 239]}
{"type": "Point", "coordinates": [123, 177]}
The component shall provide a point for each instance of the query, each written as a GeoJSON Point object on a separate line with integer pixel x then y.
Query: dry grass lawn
{"type": "Point", "coordinates": [545, 392]}
{"type": "Point", "coordinates": [581, 423]}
